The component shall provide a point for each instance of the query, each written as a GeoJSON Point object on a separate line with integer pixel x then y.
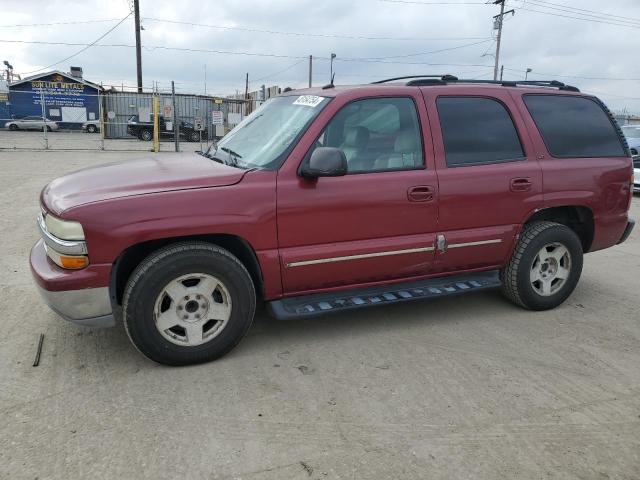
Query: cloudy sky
{"type": "Point", "coordinates": [588, 43]}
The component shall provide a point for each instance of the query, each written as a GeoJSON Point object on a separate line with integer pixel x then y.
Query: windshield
{"type": "Point", "coordinates": [263, 138]}
{"type": "Point", "coordinates": [631, 132]}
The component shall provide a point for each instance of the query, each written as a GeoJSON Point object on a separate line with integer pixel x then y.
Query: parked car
{"type": "Point", "coordinates": [91, 126]}
{"type": "Point", "coordinates": [144, 130]}
{"type": "Point", "coordinates": [33, 122]}
{"type": "Point", "coordinates": [339, 198]}
{"type": "Point", "coordinates": [632, 133]}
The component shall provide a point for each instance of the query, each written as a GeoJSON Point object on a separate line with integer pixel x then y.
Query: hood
{"type": "Point", "coordinates": [165, 172]}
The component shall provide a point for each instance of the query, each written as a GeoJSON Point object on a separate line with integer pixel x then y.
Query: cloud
{"type": "Point", "coordinates": [553, 46]}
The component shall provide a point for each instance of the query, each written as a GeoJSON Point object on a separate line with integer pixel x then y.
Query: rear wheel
{"type": "Point", "coordinates": [91, 128]}
{"type": "Point", "coordinates": [47, 128]}
{"type": "Point", "coordinates": [146, 135]}
{"type": "Point", "coordinates": [188, 303]}
{"type": "Point", "coordinates": [545, 266]}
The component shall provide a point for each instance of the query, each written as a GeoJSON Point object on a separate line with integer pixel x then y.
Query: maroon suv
{"type": "Point", "coordinates": [330, 199]}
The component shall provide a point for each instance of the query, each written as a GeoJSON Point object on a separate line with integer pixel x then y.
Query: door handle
{"type": "Point", "coordinates": [420, 193]}
{"type": "Point", "coordinates": [520, 184]}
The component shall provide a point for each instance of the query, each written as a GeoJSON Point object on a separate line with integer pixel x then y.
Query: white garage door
{"type": "Point", "coordinates": [74, 114]}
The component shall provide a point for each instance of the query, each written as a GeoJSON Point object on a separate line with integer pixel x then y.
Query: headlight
{"type": "Point", "coordinates": [63, 229]}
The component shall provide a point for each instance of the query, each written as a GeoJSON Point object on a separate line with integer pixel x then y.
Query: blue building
{"type": "Point", "coordinates": [68, 99]}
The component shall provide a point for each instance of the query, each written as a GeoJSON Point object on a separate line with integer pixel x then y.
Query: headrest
{"type": "Point", "coordinates": [407, 142]}
{"type": "Point", "coordinates": [357, 137]}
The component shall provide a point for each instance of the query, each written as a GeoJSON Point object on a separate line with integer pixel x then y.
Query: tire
{"type": "Point", "coordinates": [194, 136]}
{"type": "Point", "coordinates": [526, 280]}
{"type": "Point", "coordinates": [146, 135]}
{"type": "Point", "coordinates": [47, 128]}
{"type": "Point", "coordinates": [91, 128]}
{"type": "Point", "coordinates": [146, 294]}
{"type": "Point", "coordinates": [13, 127]}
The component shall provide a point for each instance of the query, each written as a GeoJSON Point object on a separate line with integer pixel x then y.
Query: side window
{"type": "Point", "coordinates": [477, 131]}
{"type": "Point", "coordinates": [377, 134]}
{"type": "Point", "coordinates": [574, 126]}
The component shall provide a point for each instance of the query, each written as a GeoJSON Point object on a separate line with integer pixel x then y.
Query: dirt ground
{"type": "Point", "coordinates": [470, 387]}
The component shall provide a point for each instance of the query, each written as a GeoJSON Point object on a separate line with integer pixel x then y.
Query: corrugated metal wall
{"type": "Point", "coordinates": [189, 107]}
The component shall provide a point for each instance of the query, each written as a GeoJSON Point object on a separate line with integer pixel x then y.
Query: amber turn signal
{"type": "Point", "coordinates": [73, 262]}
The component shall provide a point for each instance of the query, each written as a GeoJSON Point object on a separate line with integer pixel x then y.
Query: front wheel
{"type": "Point", "coordinates": [13, 127]}
{"type": "Point", "coordinates": [146, 135]}
{"type": "Point", "coordinates": [91, 128]}
{"type": "Point", "coordinates": [545, 266]}
{"type": "Point", "coordinates": [194, 136]}
{"type": "Point", "coordinates": [188, 303]}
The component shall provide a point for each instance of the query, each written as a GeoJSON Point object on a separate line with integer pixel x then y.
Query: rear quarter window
{"type": "Point", "coordinates": [574, 126]}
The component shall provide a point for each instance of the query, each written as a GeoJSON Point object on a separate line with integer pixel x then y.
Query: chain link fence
{"type": "Point", "coordinates": [41, 119]}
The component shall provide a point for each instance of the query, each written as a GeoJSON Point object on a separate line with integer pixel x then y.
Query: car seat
{"type": "Point", "coordinates": [353, 146]}
{"type": "Point", "coordinates": [407, 153]}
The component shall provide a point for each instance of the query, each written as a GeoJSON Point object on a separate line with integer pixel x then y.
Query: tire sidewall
{"type": "Point", "coordinates": [144, 134]}
{"type": "Point", "coordinates": [140, 302]}
{"type": "Point", "coordinates": [555, 234]}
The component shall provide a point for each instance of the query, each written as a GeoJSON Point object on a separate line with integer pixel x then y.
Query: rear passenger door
{"type": "Point", "coordinates": [489, 178]}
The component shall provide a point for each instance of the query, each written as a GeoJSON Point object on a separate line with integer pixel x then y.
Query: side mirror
{"type": "Point", "coordinates": [325, 162]}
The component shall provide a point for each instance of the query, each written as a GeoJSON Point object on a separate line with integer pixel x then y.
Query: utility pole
{"type": "Point", "coordinates": [176, 129]}
{"type": "Point", "coordinates": [247, 106]}
{"type": "Point", "coordinates": [498, 20]}
{"type": "Point", "coordinates": [501, 71]}
{"type": "Point", "coordinates": [310, 69]}
{"type": "Point", "coordinates": [136, 11]}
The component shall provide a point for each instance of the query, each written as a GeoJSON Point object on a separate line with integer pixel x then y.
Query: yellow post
{"type": "Point", "coordinates": [156, 132]}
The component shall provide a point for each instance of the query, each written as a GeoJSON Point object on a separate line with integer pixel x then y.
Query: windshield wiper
{"type": "Point", "coordinates": [212, 157]}
{"type": "Point", "coordinates": [233, 156]}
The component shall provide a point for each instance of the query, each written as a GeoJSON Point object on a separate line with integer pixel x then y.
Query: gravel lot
{"type": "Point", "coordinates": [80, 140]}
{"type": "Point", "coordinates": [468, 387]}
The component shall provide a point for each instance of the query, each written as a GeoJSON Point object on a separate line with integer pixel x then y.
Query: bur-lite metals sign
{"type": "Point", "coordinates": [66, 100]}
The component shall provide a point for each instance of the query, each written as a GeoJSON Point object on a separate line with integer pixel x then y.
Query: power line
{"type": "Point", "coordinates": [580, 18]}
{"type": "Point", "coordinates": [305, 34]}
{"type": "Point", "coordinates": [433, 3]}
{"type": "Point", "coordinates": [78, 22]}
{"type": "Point", "coordinates": [587, 16]}
{"type": "Point", "coordinates": [576, 76]}
{"type": "Point", "coordinates": [83, 49]}
{"type": "Point", "coordinates": [424, 53]}
{"type": "Point", "coordinates": [585, 10]}
{"type": "Point", "coordinates": [278, 72]}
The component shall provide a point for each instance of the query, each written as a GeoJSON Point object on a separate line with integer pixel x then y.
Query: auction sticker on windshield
{"type": "Point", "coordinates": [308, 100]}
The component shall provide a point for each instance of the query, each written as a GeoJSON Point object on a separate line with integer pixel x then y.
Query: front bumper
{"type": "Point", "coordinates": [87, 306]}
{"type": "Point", "coordinates": [627, 231]}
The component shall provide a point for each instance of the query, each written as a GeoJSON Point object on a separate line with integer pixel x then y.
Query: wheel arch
{"type": "Point", "coordinates": [130, 258]}
{"type": "Point", "coordinates": [577, 217]}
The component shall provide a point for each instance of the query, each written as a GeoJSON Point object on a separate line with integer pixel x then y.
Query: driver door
{"type": "Point", "coordinates": [378, 222]}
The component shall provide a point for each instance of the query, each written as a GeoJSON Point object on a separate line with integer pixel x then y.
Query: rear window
{"type": "Point", "coordinates": [574, 126]}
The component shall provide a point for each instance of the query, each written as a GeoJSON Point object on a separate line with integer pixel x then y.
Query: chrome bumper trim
{"type": "Point", "coordinates": [89, 307]}
{"type": "Point", "coordinates": [69, 247]}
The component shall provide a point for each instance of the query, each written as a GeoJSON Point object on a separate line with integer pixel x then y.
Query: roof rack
{"type": "Point", "coordinates": [425, 80]}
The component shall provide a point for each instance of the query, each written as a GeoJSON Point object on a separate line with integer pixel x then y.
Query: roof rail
{"type": "Point", "coordinates": [442, 78]}
{"type": "Point", "coordinates": [425, 80]}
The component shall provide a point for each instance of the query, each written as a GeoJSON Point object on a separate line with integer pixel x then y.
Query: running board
{"type": "Point", "coordinates": [321, 303]}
